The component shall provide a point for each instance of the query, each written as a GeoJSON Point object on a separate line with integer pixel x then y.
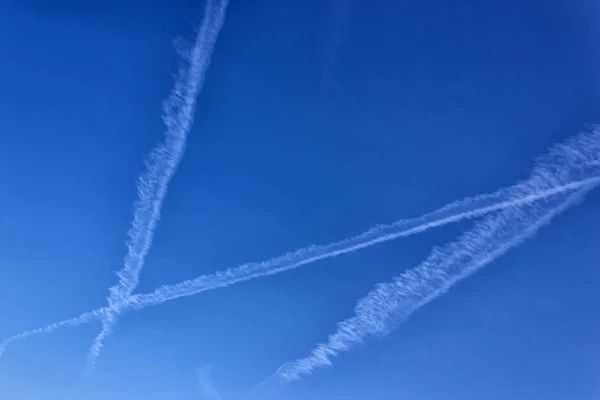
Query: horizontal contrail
{"type": "Point", "coordinates": [312, 254]}
{"type": "Point", "coordinates": [393, 302]}
{"type": "Point", "coordinates": [161, 164]}
{"type": "Point", "coordinates": [82, 319]}
{"type": "Point", "coordinates": [565, 168]}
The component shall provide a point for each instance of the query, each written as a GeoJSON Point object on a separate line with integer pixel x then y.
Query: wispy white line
{"type": "Point", "coordinates": [205, 383]}
{"type": "Point", "coordinates": [310, 255]}
{"type": "Point", "coordinates": [82, 319]}
{"type": "Point", "coordinates": [393, 302]}
{"type": "Point", "coordinates": [236, 275]}
{"type": "Point", "coordinates": [565, 168]}
{"type": "Point", "coordinates": [161, 164]}
{"type": "Point", "coordinates": [290, 261]}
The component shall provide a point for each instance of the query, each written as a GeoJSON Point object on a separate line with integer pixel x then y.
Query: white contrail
{"type": "Point", "coordinates": [565, 168]}
{"type": "Point", "coordinates": [293, 260]}
{"type": "Point", "coordinates": [393, 302]}
{"type": "Point", "coordinates": [312, 254]}
{"type": "Point", "coordinates": [205, 383]}
{"type": "Point", "coordinates": [161, 164]}
{"type": "Point", "coordinates": [82, 319]}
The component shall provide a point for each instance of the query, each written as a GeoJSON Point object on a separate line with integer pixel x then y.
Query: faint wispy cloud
{"type": "Point", "coordinates": [564, 169]}
{"type": "Point", "coordinates": [161, 164]}
{"type": "Point", "coordinates": [205, 383]}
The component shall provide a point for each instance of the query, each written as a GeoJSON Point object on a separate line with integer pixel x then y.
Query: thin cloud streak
{"type": "Point", "coordinates": [564, 168]}
{"type": "Point", "coordinates": [161, 164]}
{"type": "Point", "coordinates": [82, 319]}
{"type": "Point", "coordinates": [307, 256]}
{"type": "Point", "coordinates": [392, 303]}
{"type": "Point", "coordinates": [205, 383]}
{"type": "Point", "coordinates": [567, 166]}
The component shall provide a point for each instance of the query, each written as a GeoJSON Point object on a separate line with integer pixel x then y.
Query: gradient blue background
{"type": "Point", "coordinates": [318, 119]}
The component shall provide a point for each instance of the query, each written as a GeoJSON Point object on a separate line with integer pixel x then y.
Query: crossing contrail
{"type": "Point", "coordinates": [161, 164]}
{"type": "Point", "coordinates": [292, 260]}
{"type": "Point", "coordinates": [565, 168]}
{"type": "Point", "coordinates": [392, 303]}
{"type": "Point", "coordinates": [389, 304]}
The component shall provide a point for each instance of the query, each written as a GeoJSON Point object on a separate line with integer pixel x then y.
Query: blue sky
{"type": "Point", "coordinates": [317, 121]}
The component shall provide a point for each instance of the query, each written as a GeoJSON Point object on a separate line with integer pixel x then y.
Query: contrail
{"type": "Point", "coordinates": [565, 168]}
{"type": "Point", "coordinates": [294, 260]}
{"type": "Point", "coordinates": [391, 303]}
{"type": "Point", "coordinates": [82, 319]}
{"type": "Point", "coordinates": [205, 383]}
{"type": "Point", "coordinates": [161, 164]}
{"type": "Point", "coordinates": [312, 254]}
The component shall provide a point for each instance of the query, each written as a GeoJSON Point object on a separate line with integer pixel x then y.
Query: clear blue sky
{"type": "Point", "coordinates": [318, 120]}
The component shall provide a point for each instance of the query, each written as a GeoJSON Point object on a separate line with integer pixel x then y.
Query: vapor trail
{"type": "Point", "coordinates": [312, 254]}
{"type": "Point", "coordinates": [161, 164]}
{"type": "Point", "coordinates": [566, 167]}
{"type": "Point", "coordinates": [82, 319]}
{"type": "Point", "coordinates": [393, 302]}
{"type": "Point", "coordinates": [294, 260]}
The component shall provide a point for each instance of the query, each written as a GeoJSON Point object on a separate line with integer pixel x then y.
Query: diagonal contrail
{"type": "Point", "coordinates": [288, 261]}
{"type": "Point", "coordinates": [159, 296]}
{"type": "Point", "coordinates": [392, 303]}
{"type": "Point", "coordinates": [564, 168]}
{"type": "Point", "coordinates": [161, 164]}
{"type": "Point", "coordinates": [82, 319]}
